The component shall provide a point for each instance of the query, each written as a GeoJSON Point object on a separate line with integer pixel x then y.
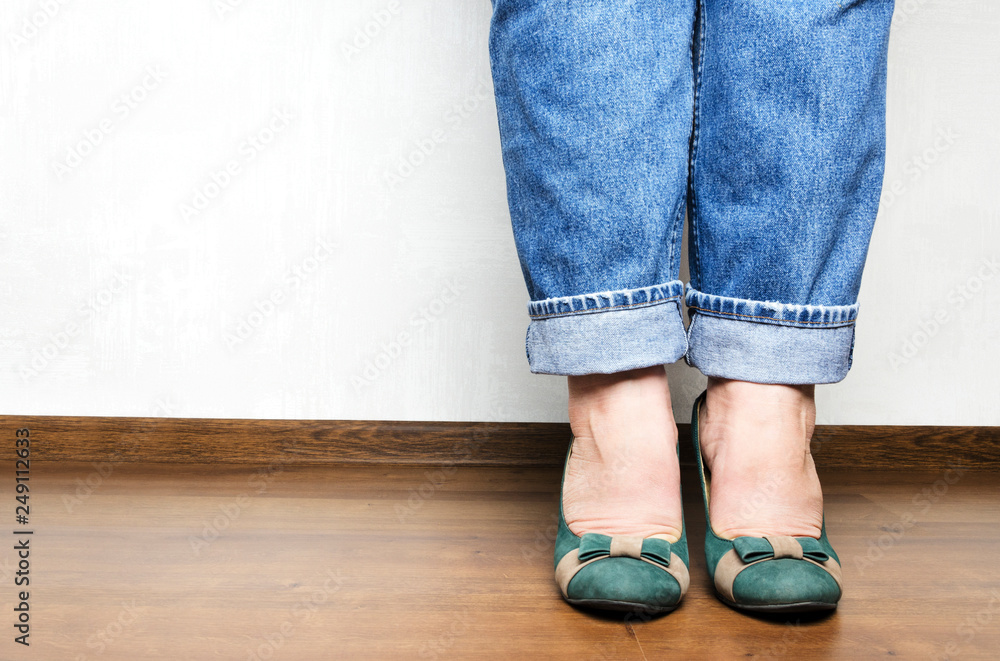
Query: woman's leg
{"type": "Point", "coordinates": [594, 101]}
{"type": "Point", "coordinates": [787, 165]}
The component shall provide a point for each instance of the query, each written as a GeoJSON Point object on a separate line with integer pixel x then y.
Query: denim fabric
{"type": "Point", "coordinates": [763, 119]}
{"type": "Point", "coordinates": [576, 326]}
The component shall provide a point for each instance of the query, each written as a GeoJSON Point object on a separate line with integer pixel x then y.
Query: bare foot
{"type": "Point", "coordinates": [623, 476]}
{"type": "Point", "coordinates": [755, 441]}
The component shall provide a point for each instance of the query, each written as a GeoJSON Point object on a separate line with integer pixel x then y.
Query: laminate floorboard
{"type": "Point", "coordinates": [172, 561]}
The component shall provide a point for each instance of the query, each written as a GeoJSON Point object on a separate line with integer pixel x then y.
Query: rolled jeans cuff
{"type": "Point", "coordinates": [607, 332]}
{"type": "Point", "coordinates": [766, 342]}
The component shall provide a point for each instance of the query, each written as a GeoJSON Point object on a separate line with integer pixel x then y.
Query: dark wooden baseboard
{"type": "Point", "coordinates": [191, 440]}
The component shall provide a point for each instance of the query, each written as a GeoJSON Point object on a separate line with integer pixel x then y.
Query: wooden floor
{"type": "Point", "coordinates": [161, 561]}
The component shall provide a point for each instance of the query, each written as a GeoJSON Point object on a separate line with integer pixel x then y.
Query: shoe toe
{"type": "Point", "coordinates": [785, 582]}
{"type": "Point", "coordinates": [622, 583]}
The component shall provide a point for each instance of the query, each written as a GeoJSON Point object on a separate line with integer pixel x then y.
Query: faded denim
{"type": "Point", "coordinates": [763, 120]}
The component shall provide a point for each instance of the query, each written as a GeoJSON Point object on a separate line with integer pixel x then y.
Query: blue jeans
{"type": "Point", "coordinates": [763, 120]}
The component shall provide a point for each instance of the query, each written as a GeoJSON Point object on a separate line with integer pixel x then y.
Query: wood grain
{"type": "Point", "coordinates": [192, 440]}
{"type": "Point", "coordinates": [380, 562]}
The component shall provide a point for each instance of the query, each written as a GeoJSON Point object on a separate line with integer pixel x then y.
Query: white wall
{"type": "Point", "coordinates": [115, 301]}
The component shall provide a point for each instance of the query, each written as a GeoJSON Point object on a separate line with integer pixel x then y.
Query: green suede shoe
{"type": "Point", "coordinates": [620, 573]}
{"type": "Point", "coordinates": [776, 573]}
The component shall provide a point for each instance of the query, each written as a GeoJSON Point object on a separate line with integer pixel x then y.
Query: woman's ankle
{"type": "Point", "coordinates": [623, 476]}
{"type": "Point", "coordinates": [755, 441]}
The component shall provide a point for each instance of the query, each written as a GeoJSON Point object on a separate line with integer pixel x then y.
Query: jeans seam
{"type": "Point", "coordinates": [698, 56]}
{"type": "Point", "coordinates": [783, 322]}
{"type": "Point", "coordinates": [676, 237]}
{"type": "Point", "coordinates": [622, 306]}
